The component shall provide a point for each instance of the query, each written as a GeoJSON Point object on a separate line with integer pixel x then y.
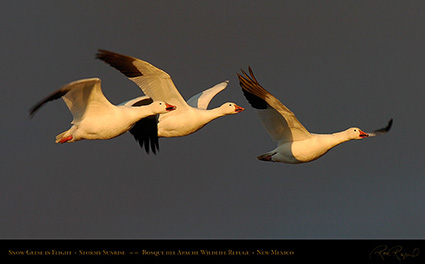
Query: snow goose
{"type": "Point", "coordinates": [189, 116]}
{"type": "Point", "coordinates": [94, 117]}
{"type": "Point", "coordinates": [295, 143]}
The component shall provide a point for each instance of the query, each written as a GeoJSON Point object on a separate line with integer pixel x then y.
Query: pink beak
{"type": "Point", "coordinates": [363, 134]}
{"type": "Point", "coordinates": [238, 108]}
{"type": "Point", "coordinates": [169, 107]}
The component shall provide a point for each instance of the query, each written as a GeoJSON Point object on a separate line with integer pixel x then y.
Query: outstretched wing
{"type": "Point", "coordinates": [133, 101]}
{"type": "Point", "coordinates": [145, 131]}
{"type": "Point", "coordinates": [83, 97]}
{"type": "Point", "coordinates": [277, 119]}
{"type": "Point", "coordinates": [202, 99]}
{"type": "Point", "coordinates": [154, 82]}
{"type": "Point", "coordinates": [381, 131]}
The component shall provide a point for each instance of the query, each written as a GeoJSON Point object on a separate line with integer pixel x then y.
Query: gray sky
{"type": "Point", "coordinates": [336, 64]}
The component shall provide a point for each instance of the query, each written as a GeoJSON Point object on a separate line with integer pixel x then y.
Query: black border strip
{"type": "Point", "coordinates": [292, 251]}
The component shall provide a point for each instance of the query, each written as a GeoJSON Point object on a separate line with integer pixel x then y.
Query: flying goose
{"type": "Point", "coordinates": [94, 117]}
{"type": "Point", "coordinates": [189, 116]}
{"type": "Point", "coordinates": [295, 143]}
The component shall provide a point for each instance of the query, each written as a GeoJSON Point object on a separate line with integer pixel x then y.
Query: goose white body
{"type": "Point", "coordinates": [305, 150]}
{"type": "Point", "coordinates": [295, 143]}
{"type": "Point", "coordinates": [189, 121]}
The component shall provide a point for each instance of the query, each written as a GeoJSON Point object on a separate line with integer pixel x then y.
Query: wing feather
{"type": "Point", "coordinates": [381, 131]}
{"type": "Point", "coordinates": [154, 82]}
{"type": "Point", "coordinates": [280, 122]}
{"type": "Point", "coordinates": [202, 99]}
{"type": "Point", "coordinates": [145, 131]}
{"type": "Point", "coordinates": [83, 97]}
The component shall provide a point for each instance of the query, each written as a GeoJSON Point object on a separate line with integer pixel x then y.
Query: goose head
{"type": "Point", "coordinates": [231, 108]}
{"type": "Point", "coordinates": [356, 133]}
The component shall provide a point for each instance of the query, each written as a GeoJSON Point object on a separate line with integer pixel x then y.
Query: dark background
{"type": "Point", "coordinates": [336, 64]}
